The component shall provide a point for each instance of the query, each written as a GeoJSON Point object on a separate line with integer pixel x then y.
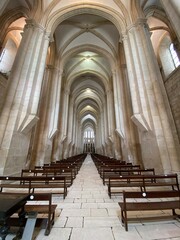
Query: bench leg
{"type": "Point", "coordinates": [109, 191]}
{"type": "Point", "coordinates": [124, 219]}
{"type": "Point", "coordinates": [49, 223]}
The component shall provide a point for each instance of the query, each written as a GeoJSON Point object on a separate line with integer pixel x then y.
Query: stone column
{"type": "Point", "coordinates": [70, 127]}
{"type": "Point", "coordinates": [74, 133]}
{"type": "Point", "coordinates": [111, 123]}
{"type": "Point", "coordinates": [55, 102]}
{"type": "Point", "coordinates": [118, 90]}
{"type": "Point", "coordinates": [149, 113]}
{"type": "Point", "coordinates": [173, 11]}
{"type": "Point", "coordinates": [99, 133]}
{"type": "Point", "coordinates": [105, 126]}
{"type": "Point", "coordinates": [44, 113]}
{"type": "Point", "coordinates": [34, 74]}
{"type": "Point", "coordinates": [3, 4]}
{"type": "Point", "coordinates": [19, 113]}
{"type": "Point", "coordinates": [51, 107]}
{"type": "Point", "coordinates": [118, 105]}
{"type": "Point", "coordinates": [65, 121]}
{"type": "Point", "coordinates": [130, 145]}
{"type": "Point", "coordinates": [65, 113]}
{"type": "Point", "coordinates": [109, 112]}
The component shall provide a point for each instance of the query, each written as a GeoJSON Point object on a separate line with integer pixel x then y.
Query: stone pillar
{"type": "Point", "coordinates": [70, 127]}
{"type": "Point", "coordinates": [105, 125]}
{"type": "Point", "coordinates": [52, 107]}
{"type": "Point", "coordinates": [130, 144]}
{"type": "Point", "coordinates": [104, 120]}
{"type": "Point", "coordinates": [109, 112]}
{"type": "Point", "coordinates": [74, 133]}
{"type": "Point", "coordinates": [173, 11]}
{"type": "Point", "coordinates": [42, 127]}
{"type": "Point", "coordinates": [111, 127]}
{"type": "Point", "coordinates": [118, 105]}
{"type": "Point", "coordinates": [65, 121]}
{"type": "Point", "coordinates": [19, 114]}
{"type": "Point", "coordinates": [65, 113]}
{"type": "Point", "coordinates": [149, 113]}
{"type": "Point", "coordinates": [99, 133]}
{"type": "Point", "coordinates": [3, 4]}
{"type": "Point", "coordinates": [55, 102]}
{"type": "Point", "coordinates": [118, 90]}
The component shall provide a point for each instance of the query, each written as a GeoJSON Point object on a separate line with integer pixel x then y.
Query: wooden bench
{"type": "Point", "coordinates": [142, 181]}
{"type": "Point", "coordinates": [49, 172]}
{"type": "Point", "coordinates": [44, 207]}
{"type": "Point", "coordinates": [101, 161]}
{"type": "Point", "coordinates": [32, 183]}
{"type": "Point", "coordinates": [58, 166]}
{"type": "Point", "coordinates": [163, 200]}
{"type": "Point", "coordinates": [112, 166]}
{"type": "Point", "coordinates": [123, 172]}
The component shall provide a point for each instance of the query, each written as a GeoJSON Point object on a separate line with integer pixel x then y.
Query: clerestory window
{"type": "Point", "coordinates": [174, 55]}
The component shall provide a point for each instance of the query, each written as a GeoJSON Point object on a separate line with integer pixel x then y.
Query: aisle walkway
{"type": "Point", "coordinates": [87, 213]}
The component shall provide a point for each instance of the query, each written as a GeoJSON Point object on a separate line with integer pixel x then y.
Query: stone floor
{"type": "Point", "coordinates": [88, 213]}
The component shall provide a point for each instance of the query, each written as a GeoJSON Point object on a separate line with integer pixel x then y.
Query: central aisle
{"type": "Point", "coordinates": [88, 213]}
{"type": "Point", "coordinates": [87, 208]}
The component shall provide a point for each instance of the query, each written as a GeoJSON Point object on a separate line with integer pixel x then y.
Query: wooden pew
{"type": "Point", "coordinates": [42, 205]}
{"type": "Point", "coordinates": [74, 162]}
{"type": "Point", "coordinates": [162, 200]}
{"type": "Point", "coordinates": [123, 172]}
{"type": "Point", "coordinates": [116, 166]}
{"type": "Point", "coordinates": [107, 162]}
{"type": "Point", "coordinates": [49, 172]}
{"type": "Point", "coordinates": [34, 183]}
{"type": "Point", "coordinates": [62, 167]}
{"type": "Point", "coordinates": [142, 182]}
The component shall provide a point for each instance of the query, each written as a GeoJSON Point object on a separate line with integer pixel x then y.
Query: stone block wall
{"type": "Point", "coordinates": [3, 88]}
{"type": "Point", "coordinates": [172, 85]}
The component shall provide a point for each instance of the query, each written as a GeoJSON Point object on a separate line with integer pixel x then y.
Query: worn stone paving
{"type": "Point", "coordinates": [88, 213]}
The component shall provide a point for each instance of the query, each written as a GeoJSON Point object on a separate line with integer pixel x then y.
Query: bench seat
{"type": "Point", "coordinates": [140, 201]}
{"type": "Point", "coordinates": [47, 209]}
{"type": "Point", "coordinates": [115, 184]}
{"type": "Point", "coordinates": [34, 183]}
{"type": "Point", "coordinates": [125, 172]}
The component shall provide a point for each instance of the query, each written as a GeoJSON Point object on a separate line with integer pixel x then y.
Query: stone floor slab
{"type": "Point", "coordinates": [101, 222]}
{"type": "Point", "coordinates": [75, 222]}
{"type": "Point", "coordinates": [87, 213]}
{"type": "Point", "coordinates": [92, 234]}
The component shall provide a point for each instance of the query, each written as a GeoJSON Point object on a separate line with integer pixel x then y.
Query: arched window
{"type": "Point", "coordinates": [174, 55]}
{"type": "Point", "coordinates": [89, 140]}
{"type": "Point", "coordinates": [7, 56]}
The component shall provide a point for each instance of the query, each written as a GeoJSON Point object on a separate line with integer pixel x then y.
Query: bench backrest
{"type": "Point", "coordinates": [46, 172]}
{"type": "Point", "coordinates": [144, 177]}
{"type": "Point", "coordinates": [151, 194]}
{"type": "Point", "coordinates": [147, 180]}
{"type": "Point", "coordinates": [131, 171]}
{"type": "Point", "coordinates": [41, 197]}
{"type": "Point", "coordinates": [34, 179]}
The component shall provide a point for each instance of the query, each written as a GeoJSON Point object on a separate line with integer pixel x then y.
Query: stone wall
{"type": "Point", "coordinates": [3, 88]}
{"type": "Point", "coordinates": [172, 85]}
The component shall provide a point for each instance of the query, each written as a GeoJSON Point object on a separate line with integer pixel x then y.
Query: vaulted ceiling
{"type": "Point", "coordinates": [87, 46]}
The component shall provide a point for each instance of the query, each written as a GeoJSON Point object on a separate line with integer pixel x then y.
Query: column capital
{"type": "Point", "coordinates": [139, 22]}
{"type": "Point", "coordinates": [31, 23]}
{"type": "Point", "coordinates": [109, 91]}
{"type": "Point", "coordinates": [56, 69]}
{"type": "Point", "coordinates": [66, 91]}
{"type": "Point", "coordinates": [125, 36]}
